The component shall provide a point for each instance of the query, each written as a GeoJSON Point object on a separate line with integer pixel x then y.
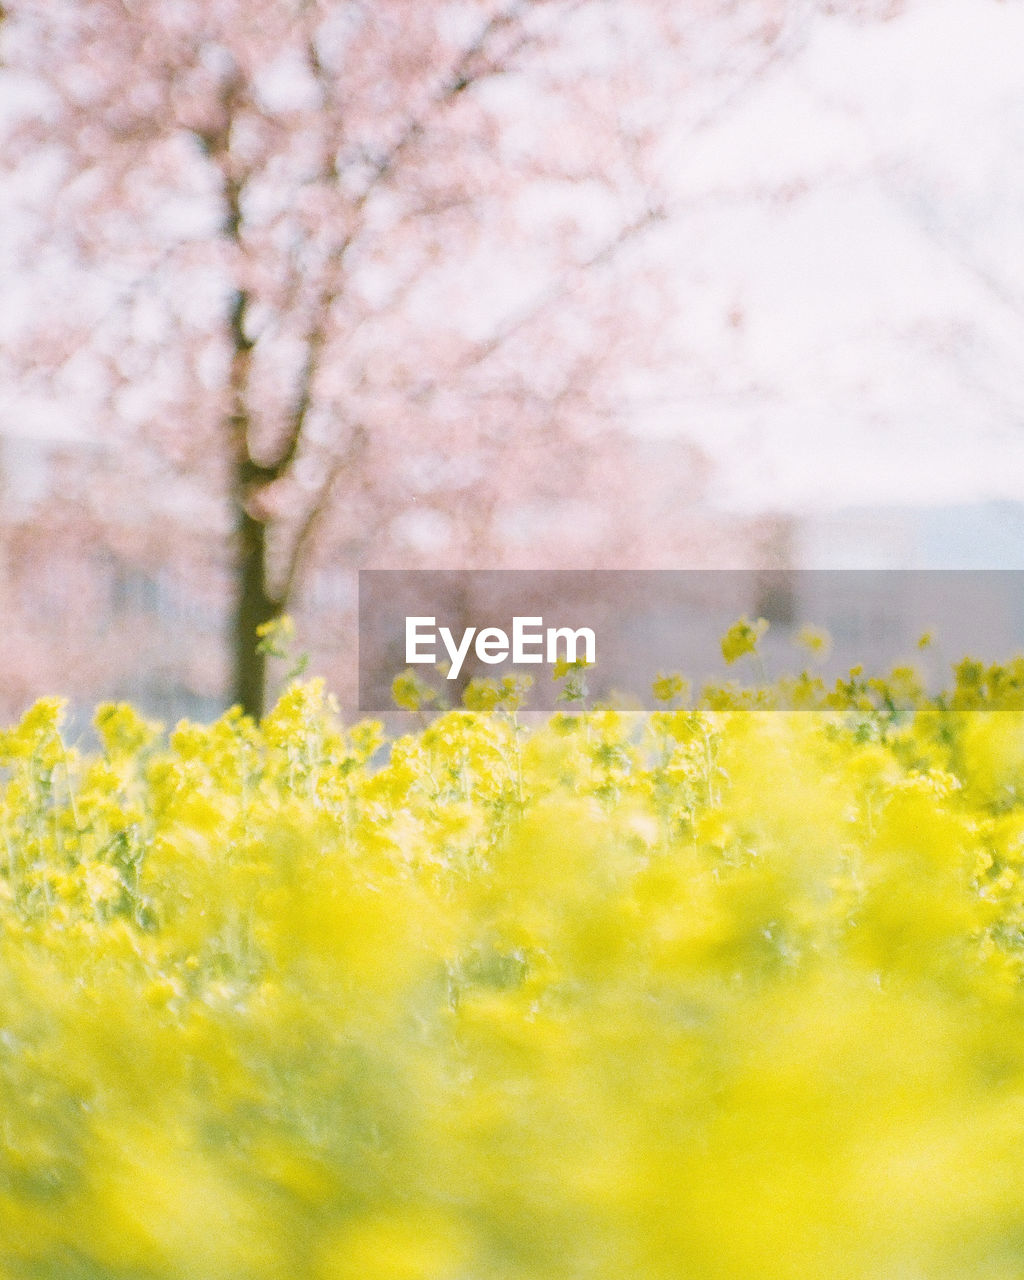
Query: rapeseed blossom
{"type": "Point", "coordinates": [718, 992]}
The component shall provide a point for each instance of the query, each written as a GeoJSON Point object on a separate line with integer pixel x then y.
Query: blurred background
{"type": "Point", "coordinates": [291, 288]}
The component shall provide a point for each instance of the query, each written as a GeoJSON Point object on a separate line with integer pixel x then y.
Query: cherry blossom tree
{"type": "Point", "coordinates": [347, 284]}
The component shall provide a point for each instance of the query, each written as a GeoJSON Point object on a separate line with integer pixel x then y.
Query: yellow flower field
{"type": "Point", "coordinates": [710, 993]}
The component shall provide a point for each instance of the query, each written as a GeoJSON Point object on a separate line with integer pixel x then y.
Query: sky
{"type": "Point", "coordinates": [849, 266]}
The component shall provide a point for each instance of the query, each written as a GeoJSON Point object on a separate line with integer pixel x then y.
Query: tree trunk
{"type": "Point", "coordinates": [253, 606]}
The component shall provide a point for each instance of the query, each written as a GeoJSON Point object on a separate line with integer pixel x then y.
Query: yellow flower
{"type": "Point", "coordinates": [742, 638]}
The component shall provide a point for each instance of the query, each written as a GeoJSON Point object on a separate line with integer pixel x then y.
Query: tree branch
{"type": "Point", "coordinates": [316, 512]}
{"type": "Point", "coordinates": [563, 286]}
{"type": "Point", "coordinates": [468, 70]}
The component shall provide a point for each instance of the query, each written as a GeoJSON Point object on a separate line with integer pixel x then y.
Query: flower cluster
{"type": "Point", "coordinates": [718, 991]}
